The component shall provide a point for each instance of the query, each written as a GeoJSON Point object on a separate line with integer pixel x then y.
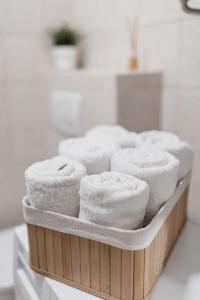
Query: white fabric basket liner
{"type": "Point", "coordinates": [120, 238]}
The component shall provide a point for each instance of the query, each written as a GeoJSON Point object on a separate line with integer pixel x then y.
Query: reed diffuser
{"type": "Point", "coordinates": [133, 34]}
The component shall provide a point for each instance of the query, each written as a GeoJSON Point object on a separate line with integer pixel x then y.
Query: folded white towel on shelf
{"type": "Point", "coordinates": [94, 154]}
{"type": "Point", "coordinates": [158, 168]}
{"type": "Point", "coordinates": [172, 144]}
{"type": "Point", "coordinates": [54, 185]}
{"type": "Point", "coordinates": [115, 133]}
{"type": "Point", "coordinates": [113, 199]}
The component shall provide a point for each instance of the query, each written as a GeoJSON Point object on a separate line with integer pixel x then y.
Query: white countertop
{"type": "Point", "coordinates": [181, 276]}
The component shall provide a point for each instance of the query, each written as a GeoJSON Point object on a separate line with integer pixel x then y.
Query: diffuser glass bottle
{"type": "Point", "coordinates": [133, 33]}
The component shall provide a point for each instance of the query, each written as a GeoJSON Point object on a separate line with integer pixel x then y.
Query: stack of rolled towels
{"type": "Point", "coordinates": [111, 177]}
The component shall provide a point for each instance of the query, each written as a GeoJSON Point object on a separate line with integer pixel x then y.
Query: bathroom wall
{"type": "Point", "coordinates": [168, 41]}
{"type": "Point", "coordinates": [26, 133]}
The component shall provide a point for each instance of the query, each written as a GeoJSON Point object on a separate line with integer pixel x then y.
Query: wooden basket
{"type": "Point", "coordinates": [101, 269]}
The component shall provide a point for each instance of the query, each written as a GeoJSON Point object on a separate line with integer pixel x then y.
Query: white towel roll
{"type": "Point", "coordinates": [113, 199]}
{"type": "Point", "coordinates": [115, 133]}
{"type": "Point", "coordinates": [54, 185]}
{"type": "Point", "coordinates": [158, 168]}
{"type": "Point", "coordinates": [172, 144]}
{"type": "Point", "coordinates": [95, 155]}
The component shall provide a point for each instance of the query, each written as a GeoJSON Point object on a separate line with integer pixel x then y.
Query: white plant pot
{"type": "Point", "coordinates": [65, 57]}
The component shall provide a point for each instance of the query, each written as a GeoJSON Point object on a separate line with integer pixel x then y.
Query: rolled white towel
{"type": "Point", "coordinates": [158, 168]}
{"type": "Point", "coordinates": [94, 154]}
{"type": "Point", "coordinates": [115, 133]}
{"type": "Point", "coordinates": [113, 199]}
{"type": "Point", "coordinates": [54, 185]}
{"type": "Point", "coordinates": [172, 144]}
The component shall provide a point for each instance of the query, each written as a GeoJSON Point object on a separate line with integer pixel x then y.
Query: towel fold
{"type": "Point", "coordinates": [158, 168]}
{"type": "Point", "coordinates": [115, 133]}
{"type": "Point", "coordinates": [172, 144]}
{"type": "Point", "coordinates": [113, 199]}
{"type": "Point", "coordinates": [54, 185]}
{"type": "Point", "coordinates": [94, 154]}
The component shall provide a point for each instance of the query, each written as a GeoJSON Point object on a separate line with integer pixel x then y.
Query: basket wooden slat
{"type": "Point", "coordinates": [101, 269]}
{"type": "Point", "coordinates": [116, 273]}
{"type": "Point", "coordinates": [85, 261]}
{"type": "Point", "coordinates": [67, 257]}
{"type": "Point", "coordinates": [95, 266]}
{"type": "Point", "coordinates": [49, 251]}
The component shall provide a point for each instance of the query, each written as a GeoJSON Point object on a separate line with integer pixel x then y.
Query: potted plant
{"type": "Point", "coordinates": [65, 51]}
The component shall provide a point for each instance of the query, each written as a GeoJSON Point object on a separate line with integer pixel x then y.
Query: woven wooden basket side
{"type": "Point", "coordinates": [104, 270]}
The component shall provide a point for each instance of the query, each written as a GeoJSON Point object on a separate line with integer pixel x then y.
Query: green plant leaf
{"type": "Point", "coordinates": [65, 35]}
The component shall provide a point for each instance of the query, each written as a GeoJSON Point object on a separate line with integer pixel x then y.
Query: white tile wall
{"type": "Point", "coordinates": [102, 50]}
{"type": "Point", "coordinates": [168, 41]}
{"type": "Point", "coordinates": [6, 155]}
{"type": "Point", "coordinates": [159, 11]}
{"type": "Point", "coordinates": [2, 70]}
{"type": "Point", "coordinates": [22, 17]}
{"type": "Point", "coordinates": [189, 58]}
{"type": "Point", "coordinates": [162, 46]}
{"type": "Point", "coordinates": [52, 138]}
{"type": "Point", "coordinates": [105, 15]}
{"type": "Point", "coordinates": [193, 207]}
{"type": "Point", "coordinates": [27, 106]}
{"type": "Point", "coordinates": [159, 50]}
{"type": "Point", "coordinates": [23, 57]}
{"type": "Point", "coordinates": [196, 167]}
{"type": "Point", "coordinates": [29, 146]}
{"type": "Point", "coordinates": [4, 107]}
{"type": "Point", "coordinates": [26, 136]}
{"type": "Point", "coordinates": [129, 8]}
{"type": "Point", "coordinates": [188, 116]}
{"type": "Point", "coordinates": [89, 17]}
{"type": "Point", "coordinates": [2, 14]}
{"type": "Point", "coordinates": [11, 212]}
{"type": "Point", "coordinates": [168, 110]}
{"type": "Point", "coordinates": [57, 12]}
